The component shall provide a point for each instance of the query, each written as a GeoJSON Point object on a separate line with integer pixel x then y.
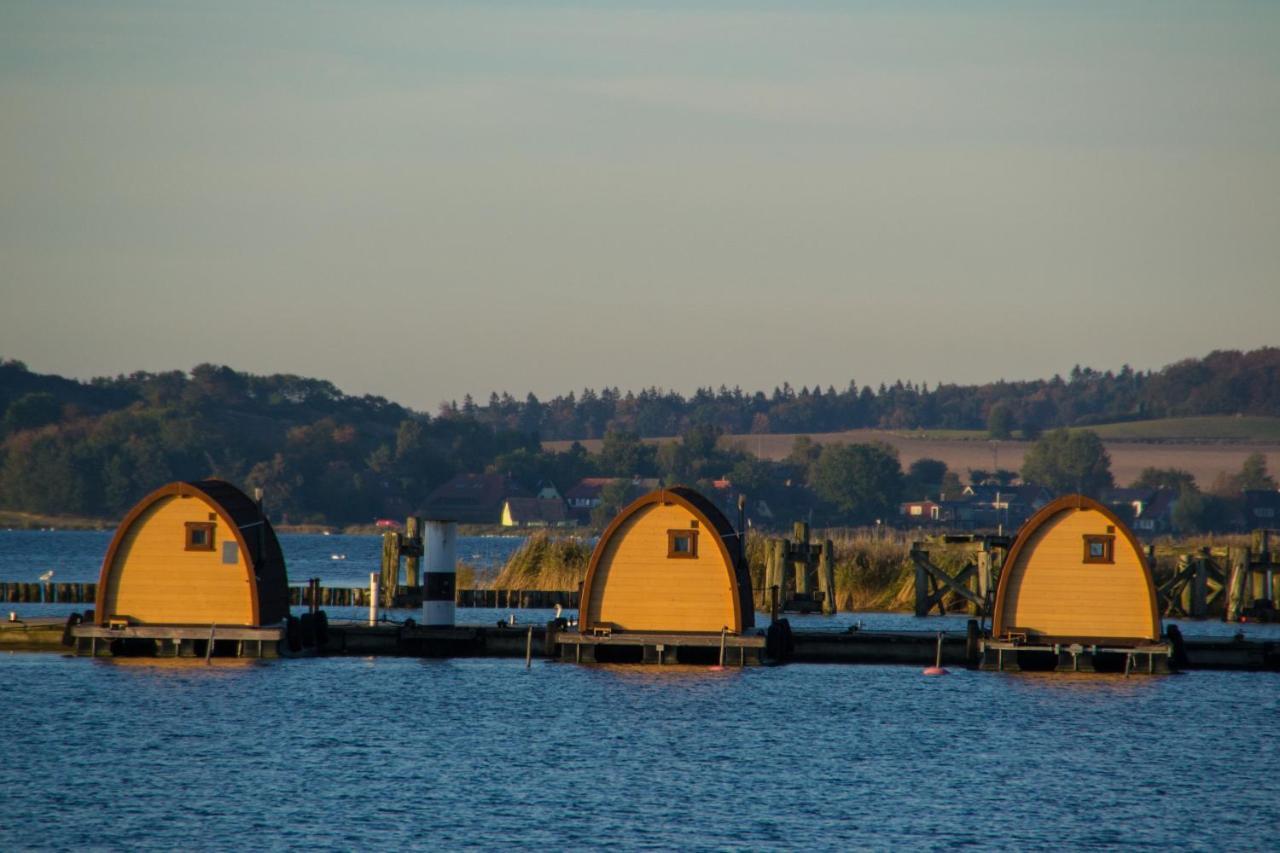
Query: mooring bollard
{"type": "Point", "coordinates": [440, 544]}
{"type": "Point", "coordinates": [373, 598]}
{"type": "Point", "coordinates": [723, 633]}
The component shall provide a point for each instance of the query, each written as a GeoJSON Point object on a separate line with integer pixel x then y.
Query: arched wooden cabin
{"type": "Point", "coordinates": [1076, 573]}
{"type": "Point", "coordinates": [669, 563]}
{"type": "Point", "coordinates": [197, 553]}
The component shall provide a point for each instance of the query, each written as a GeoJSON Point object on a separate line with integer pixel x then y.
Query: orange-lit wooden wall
{"type": "Point", "coordinates": [152, 579]}
{"type": "Point", "coordinates": [634, 585]}
{"type": "Point", "coordinates": [1049, 590]}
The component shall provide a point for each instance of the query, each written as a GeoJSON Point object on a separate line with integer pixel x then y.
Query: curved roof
{"type": "Point", "coordinates": [1046, 514]}
{"type": "Point", "coordinates": [728, 540]}
{"type": "Point", "coordinates": [269, 581]}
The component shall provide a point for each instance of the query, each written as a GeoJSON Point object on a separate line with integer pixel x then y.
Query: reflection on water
{"type": "Point", "coordinates": [184, 665]}
{"type": "Point", "coordinates": [1076, 683]}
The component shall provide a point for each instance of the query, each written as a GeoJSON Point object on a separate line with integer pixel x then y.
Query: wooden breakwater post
{"type": "Point", "coordinates": [975, 582]}
{"type": "Point", "coordinates": [1197, 584]}
{"type": "Point", "coordinates": [1251, 586]}
{"type": "Point", "coordinates": [407, 545]}
{"type": "Point", "coordinates": [802, 571]}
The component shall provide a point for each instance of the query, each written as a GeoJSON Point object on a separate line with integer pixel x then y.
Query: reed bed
{"type": "Point", "coordinates": [873, 569]}
{"type": "Point", "coordinates": [547, 562]}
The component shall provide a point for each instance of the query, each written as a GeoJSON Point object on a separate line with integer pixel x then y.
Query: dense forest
{"type": "Point", "coordinates": [1225, 382]}
{"type": "Point", "coordinates": [93, 448]}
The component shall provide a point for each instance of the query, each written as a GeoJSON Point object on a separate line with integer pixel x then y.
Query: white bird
{"type": "Point", "coordinates": [47, 575]}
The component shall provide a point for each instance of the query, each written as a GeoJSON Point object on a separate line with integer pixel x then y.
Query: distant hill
{"type": "Point", "coordinates": [93, 448]}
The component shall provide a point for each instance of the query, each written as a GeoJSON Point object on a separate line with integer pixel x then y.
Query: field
{"type": "Point", "coordinates": [1204, 446]}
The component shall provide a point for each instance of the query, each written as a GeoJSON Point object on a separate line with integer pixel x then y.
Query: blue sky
{"type": "Point", "coordinates": [421, 200]}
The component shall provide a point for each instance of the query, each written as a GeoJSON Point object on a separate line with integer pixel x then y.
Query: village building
{"type": "Point", "coordinates": [194, 553]}
{"type": "Point", "coordinates": [535, 512]}
{"type": "Point", "coordinates": [585, 495]}
{"type": "Point", "coordinates": [977, 507]}
{"type": "Point", "coordinates": [1148, 511]}
{"type": "Point", "coordinates": [726, 499]}
{"type": "Point", "coordinates": [1261, 508]}
{"type": "Point", "coordinates": [472, 498]}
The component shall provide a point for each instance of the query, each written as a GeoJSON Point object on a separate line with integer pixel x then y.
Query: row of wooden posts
{"type": "Point", "coordinates": [1244, 576]}
{"type": "Point", "coordinates": [345, 596]}
{"type": "Point", "coordinates": [36, 592]}
{"type": "Point", "coordinates": [47, 592]}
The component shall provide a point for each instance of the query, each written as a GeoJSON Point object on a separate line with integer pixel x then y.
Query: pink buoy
{"type": "Point", "coordinates": [935, 670]}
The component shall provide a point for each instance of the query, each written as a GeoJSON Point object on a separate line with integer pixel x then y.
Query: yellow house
{"type": "Point", "coordinates": [1076, 573]}
{"type": "Point", "coordinates": [198, 553]}
{"type": "Point", "coordinates": [670, 563]}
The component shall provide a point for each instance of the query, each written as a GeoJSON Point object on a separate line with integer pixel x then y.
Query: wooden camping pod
{"type": "Point", "coordinates": [1076, 572]}
{"type": "Point", "coordinates": [194, 553]}
{"type": "Point", "coordinates": [669, 562]}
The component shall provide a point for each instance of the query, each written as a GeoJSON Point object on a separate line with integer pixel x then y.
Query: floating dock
{"type": "Point", "coordinates": [547, 642]}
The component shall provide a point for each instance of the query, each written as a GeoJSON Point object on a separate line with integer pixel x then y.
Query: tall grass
{"type": "Point", "coordinates": [873, 569]}
{"type": "Point", "coordinates": [546, 562]}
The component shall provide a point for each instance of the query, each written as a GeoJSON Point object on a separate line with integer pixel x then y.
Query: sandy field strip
{"type": "Point", "coordinates": [1205, 460]}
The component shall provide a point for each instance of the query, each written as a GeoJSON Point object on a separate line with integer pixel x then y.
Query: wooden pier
{"type": "Point", "coordinates": [1004, 656]}
{"type": "Point", "coordinates": [177, 640]}
{"type": "Point", "coordinates": [555, 642]}
{"type": "Point", "coordinates": [638, 647]}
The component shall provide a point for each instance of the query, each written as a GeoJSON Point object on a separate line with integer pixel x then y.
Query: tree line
{"type": "Point", "coordinates": [94, 448]}
{"type": "Point", "coordinates": [1223, 382]}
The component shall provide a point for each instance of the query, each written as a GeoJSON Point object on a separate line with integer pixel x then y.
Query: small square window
{"type": "Point", "coordinates": [1099, 549]}
{"type": "Point", "coordinates": [682, 544]}
{"type": "Point", "coordinates": [199, 536]}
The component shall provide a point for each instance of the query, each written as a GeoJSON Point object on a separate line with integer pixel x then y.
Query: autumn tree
{"type": "Point", "coordinates": [1069, 461]}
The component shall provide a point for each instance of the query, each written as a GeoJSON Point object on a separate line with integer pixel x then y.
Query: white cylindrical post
{"type": "Point", "coordinates": [440, 556]}
{"type": "Point", "coordinates": [373, 598]}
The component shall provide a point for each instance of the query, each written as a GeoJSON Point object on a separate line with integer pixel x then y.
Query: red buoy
{"type": "Point", "coordinates": [937, 669]}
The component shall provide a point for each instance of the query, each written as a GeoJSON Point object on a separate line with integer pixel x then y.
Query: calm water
{"type": "Point", "coordinates": [391, 753]}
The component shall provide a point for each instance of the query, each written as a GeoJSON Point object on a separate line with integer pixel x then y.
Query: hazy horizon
{"type": "Point", "coordinates": [427, 201]}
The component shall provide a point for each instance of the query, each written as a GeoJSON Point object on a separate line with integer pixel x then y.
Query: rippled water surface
{"type": "Point", "coordinates": [387, 753]}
